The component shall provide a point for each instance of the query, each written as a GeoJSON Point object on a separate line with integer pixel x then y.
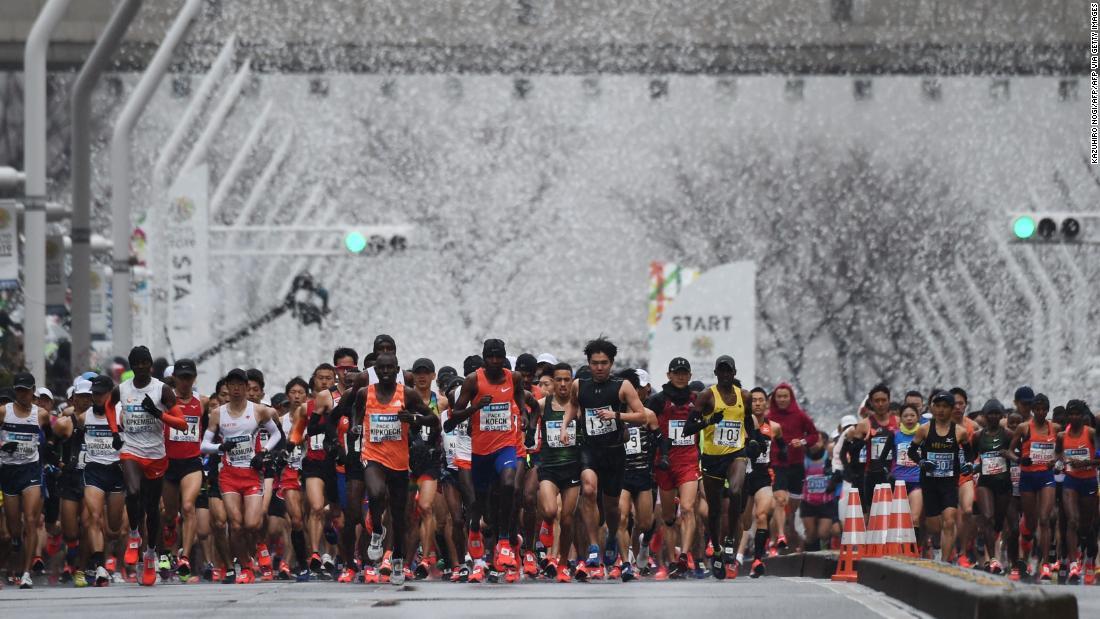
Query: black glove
{"type": "Point", "coordinates": [149, 406]}
{"type": "Point", "coordinates": [752, 450]}
{"type": "Point", "coordinates": [927, 466]}
{"type": "Point", "coordinates": [449, 425]}
{"type": "Point", "coordinates": [51, 471]}
{"type": "Point", "coordinates": [834, 481]}
{"type": "Point", "coordinates": [224, 446]}
{"type": "Point", "coordinates": [9, 447]}
{"type": "Point", "coordinates": [1025, 461]}
{"type": "Point", "coordinates": [330, 446]}
{"type": "Point", "coordinates": [116, 441]}
{"type": "Point", "coordinates": [663, 463]}
{"type": "Point", "coordinates": [714, 419]}
{"type": "Point", "coordinates": [966, 468]}
{"type": "Point", "coordinates": [258, 461]}
{"type": "Point", "coordinates": [50, 455]}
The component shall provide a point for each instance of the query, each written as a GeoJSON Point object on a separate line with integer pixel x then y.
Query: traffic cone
{"type": "Point", "coordinates": [851, 540]}
{"type": "Point", "coordinates": [903, 541]}
{"type": "Point", "coordinates": [878, 527]}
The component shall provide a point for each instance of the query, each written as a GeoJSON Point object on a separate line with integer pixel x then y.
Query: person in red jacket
{"type": "Point", "coordinates": [799, 432]}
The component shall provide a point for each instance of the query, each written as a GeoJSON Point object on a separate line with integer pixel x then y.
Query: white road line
{"type": "Point", "coordinates": [878, 603]}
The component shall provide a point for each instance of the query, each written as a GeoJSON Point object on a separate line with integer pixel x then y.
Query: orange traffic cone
{"type": "Point", "coordinates": [851, 540]}
{"type": "Point", "coordinates": [879, 525]}
{"type": "Point", "coordinates": [902, 540]}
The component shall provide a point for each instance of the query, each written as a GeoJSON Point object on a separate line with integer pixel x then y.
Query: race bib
{"type": "Point", "coordinates": [294, 460]}
{"type": "Point", "coordinates": [903, 458]}
{"type": "Point", "coordinates": [1042, 452]}
{"type": "Point", "coordinates": [633, 441]}
{"type": "Point", "coordinates": [190, 435]}
{"type": "Point", "coordinates": [816, 484]}
{"type": "Point", "coordinates": [496, 417]}
{"type": "Point", "coordinates": [317, 442]}
{"type": "Point", "coordinates": [595, 426]}
{"type": "Point", "coordinates": [384, 427]}
{"type": "Point", "coordinates": [450, 446]}
{"type": "Point", "coordinates": [676, 433]}
{"type": "Point", "coordinates": [553, 434]}
{"type": "Point", "coordinates": [242, 450]}
{"type": "Point", "coordinates": [26, 444]}
{"type": "Point", "coordinates": [1077, 458]}
{"type": "Point", "coordinates": [878, 444]}
{"type": "Point", "coordinates": [727, 434]}
{"type": "Point", "coordinates": [993, 463]}
{"type": "Point", "coordinates": [945, 464]}
{"type": "Point", "coordinates": [97, 443]}
{"type": "Point", "coordinates": [765, 456]}
{"type": "Point", "coordinates": [137, 420]}
{"type": "Point", "coordinates": [82, 459]}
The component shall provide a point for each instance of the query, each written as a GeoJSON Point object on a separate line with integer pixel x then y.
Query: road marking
{"type": "Point", "coordinates": [878, 603]}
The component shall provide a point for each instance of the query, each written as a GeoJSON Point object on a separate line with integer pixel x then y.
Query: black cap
{"type": "Point", "coordinates": [279, 399]}
{"type": "Point", "coordinates": [7, 395]}
{"type": "Point", "coordinates": [446, 371]}
{"type": "Point", "coordinates": [138, 354]}
{"type": "Point", "coordinates": [583, 373]}
{"type": "Point", "coordinates": [453, 383]}
{"type": "Point", "coordinates": [472, 364]}
{"type": "Point", "coordinates": [526, 362]}
{"type": "Point", "coordinates": [1041, 401]}
{"type": "Point", "coordinates": [1024, 395]}
{"type": "Point", "coordinates": [23, 380]}
{"type": "Point", "coordinates": [424, 364]}
{"type": "Point", "coordinates": [382, 338]}
{"type": "Point", "coordinates": [236, 374]}
{"type": "Point", "coordinates": [102, 384]}
{"type": "Point", "coordinates": [696, 386]}
{"type": "Point", "coordinates": [724, 360]}
{"type": "Point", "coordinates": [943, 396]}
{"type": "Point", "coordinates": [993, 406]}
{"type": "Point", "coordinates": [493, 348]}
{"type": "Point", "coordinates": [185, 367]}
{"type": "Point", "coordinates": [679, 364]}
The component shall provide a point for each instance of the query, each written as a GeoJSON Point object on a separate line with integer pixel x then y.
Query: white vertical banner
{"type": "Point", "coordinates": [182, 248]}
{"type": "Point", "coordinates": [56, 282]}
{"type": "Point", "coordinates": [99, 305]}
{"type": "Point", "coordinates": [9, 246]}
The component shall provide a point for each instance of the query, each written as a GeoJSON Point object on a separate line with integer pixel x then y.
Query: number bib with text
{"type": "Point", "coordinates": [676, 433]}
{"type": "Point", "coordinates": [727, 434]}
{"type": "Point", "coordinates": [553, 434]}
{"type": "Point", "coordinates": [595, 426]}
{"type": "Point", "coordinates": [385, 427]}
{"type": "Point", "coordinates": [496, 417]}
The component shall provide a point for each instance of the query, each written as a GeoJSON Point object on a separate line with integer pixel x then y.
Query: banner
{"type": "Point", "coordinates": [666, 280]}
{"type": "Point", "coordinates": [182, 247]}
{"type": "Point", "coordinates": [99, 304]}
{"type": "Point", "coordinates": [9, 246]}
{"type": "Point", "coordinates": [715, 315]}
{"type": "Point", "coordinates": [56, 282]}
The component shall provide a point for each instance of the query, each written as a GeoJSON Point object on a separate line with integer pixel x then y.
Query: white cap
{"type": "Point", "coordinates": [69, 392]}
{"type": "Point", "coordinates": [43, 392]}
{"type": "Point", "coordinates": [643, 377]}
{"type": "Point", "coordinates": [546, 358]}
{"type": "Point", "coordinates": [82, 387]}
{"type": "Point", "coordinates": [847, 421]}
{"type": "Point", "coordinates": [168, 371]}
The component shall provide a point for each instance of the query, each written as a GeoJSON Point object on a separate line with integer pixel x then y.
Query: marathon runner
{"type": "Point", "coordinates": [183, 479]}
{"type": "Point", "coordinates": [528, 445]}
{"type": "Point", "coordinates": [729, 442]}
{"type": "Point", "coordinates": [64, 456]}
{"type": "Point", "coordinates": [994, 481]}
{"type": "Point", "coordinates": [758, 484]}
{"type": "Point", "coordinates": [819, 506]}
{"type": "Point", "coordinates": [905, 469]}
{"type": "Point", "coordinates": [937, 447]}
{"type": "Point", "coordinates": [965, 514]}
{"type": "Point", "coordinates": [104, 498]}
{"type": "Point", "coordinates": [242, 486]}
{"type": "Point", "coordinates": [425, 466]}
{"type": "Point", "coordinates": [871, 435]}
{"type": "Point", "coordinates": [799, 432]}
{"type": "Point", "coordinates": [456, 480]}
{"type": "Point", "coordinates": [637, 496]}
{"type": "Point", "coordinates": [1077, 451]}
{"type": "Point", "coordinates": [390, 411]}
{"type": "Point", "coordinates": [559, 476]}
{"type": "Point", "coordinates": [1035, 442]}
{"type": "Point", "coordinates": [312, 428]}
{"type": "Point", "coordinates": [603, 401]}
{"type": "Point", "coordinates": [290, 480]}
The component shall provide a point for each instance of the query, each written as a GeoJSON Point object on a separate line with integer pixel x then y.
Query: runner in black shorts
{"type": "Point", "coordinates": [559, 474]}
{"type": "Point", "coordinates": [637, 495]}
{"type": "Point", "coordinates": [758, 484]}
{"type": "Point", "coordinates": [599, 406]}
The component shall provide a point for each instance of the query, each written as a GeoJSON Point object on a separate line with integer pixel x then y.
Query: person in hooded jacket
{"type": "Point", "coordinates": [790, 473]}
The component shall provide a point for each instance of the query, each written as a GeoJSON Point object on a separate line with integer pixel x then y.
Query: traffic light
{"type": "Point", "coordinates": [1049, 227]}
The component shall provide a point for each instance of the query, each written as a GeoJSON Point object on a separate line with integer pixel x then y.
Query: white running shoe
{"type": "Point", "coordinates": [398, 575]}
{"type": "Point", "coordinates": [375, 550]}
{"type": "Point", "coordinates": [26, 582]}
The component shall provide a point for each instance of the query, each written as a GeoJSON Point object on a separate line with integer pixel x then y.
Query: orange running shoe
{"type": "Point", "coordinates": [348, 575]}
{"type": "Point", "coordinates": [370, 575]}
{"type": "Point", "coordinates": [563, 574]}
{"type": "Point", "coordinates": [964, 561]}
{"type": "Point", "coordinates": [661, 573]}
{"type": "Point", "coordinates": [731, 570]}
{"type": "Point", "coordinates": [505, 557]}
{"type": "Point", "coordinates": [580, 574]}
{"type": "Point", "coordinates": [475, 545]}
{"type": "Point", "coordinates": [246, 577]}
{"type": "Point", "coordinates": [133, 545]}
{"type": "Point", "coordinates": [546, 535]}
{"type": "Point", "coordinates": [530, 565]}
{"type": "Point", "coordinates": [264, 555]}
{"type": "Point", "coordinates": [149, 569]}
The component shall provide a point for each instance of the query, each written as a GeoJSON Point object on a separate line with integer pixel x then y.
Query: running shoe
{"type": "Point", "coordinates": [475, 545]}
{"type": "Point", "coordinates": [1045, 573]}
{"type": "Point", "coordinates": [995, 567]}
{"type": "Point", "coordinates": [758, 569]}
{"type": "Point", "coordinates": [718, 567]}
{"type": "Point", "coordinates": [511, 576]}
{"type": "Point", "coordinates": [66, 575]}
{"type": "Point", "coordinates": [79, 579]}
{"type": "Point", "coordinates": [133, 545]}
{"type": "Point", "coordinates": [164, 564]}
{"type": "Point", "coordinates": [550, 568]}
{"type": "Point", "coordinates": [1073, 576]}
{"type": "Point", "coordinates": [661, 573]}
{"type": "Point", "coordinates": [26, 582]}
{"type": "Point", "coordinates": [263, 554]}
{"type": "Point", "coordinates": [327, 564]}
{"type": "Point", "coordinates": [303, 575]}
{"type": "Point", "coordinates": [563, 573]}
{"type": "Point", "coordinates": [246, 577]}
{"type": "Point", "coordinates": [781, 544]}
{"type": "Point", "coordinates": [964, 561]}
{"type": "Point", "coordinates": [731, 569]}
{"type": "Point", "coordinates": [478, 573]}
{"type": "Point", "coordinates": [171, 537]}
{"type": "Point", "coordinates": [229, 577]}
{"type": "Point", "coordinates": [627, 573]}
{"type": "Point", "coordinates": [462, 573]}
{"type": "Point", "coordinates": [505, 557]}
{"type": "Point", "coordinates": [149, 569]}
{"type": "Point", "coordinates": [183, 568]}
{"type": "Point", "coordinates": [370, 575]}
{"type": "Point", "coordinates": [375, 550]}
{"type": "Point", "coordinates": [347, 576]}
{"type": "Point", "coordinates": [596, 573]}
{"type": "Point", "coordinates": [1090, 573]}
{"type": "Point", "coordinates": [546, 535]}
{"type": "Point", "coordinates": [102, 577]}
{"type": "Point", "coordinates": [315, 562]}
{"type": "Point", "coordinates": [530, 565]}
{"type": "Point", "coordinates": [615, 572]}
{"type": "Point", "coordinates": [387, 566]}
{"type": "Point", "coordinates": [580, 574]}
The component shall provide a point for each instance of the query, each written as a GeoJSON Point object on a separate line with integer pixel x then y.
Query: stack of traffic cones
{"type": "Point", "coordinates": [851, 540]}
{"type": "Point", "coordinates": [902, 539]}
{"type": "Point", "coordinates": [878, 529]}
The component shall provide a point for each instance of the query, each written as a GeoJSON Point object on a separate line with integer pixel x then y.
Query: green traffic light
{"type": "Point", "coordinates": [1024, 227]}
{"type": "Point", "coordinates": [355, 242]}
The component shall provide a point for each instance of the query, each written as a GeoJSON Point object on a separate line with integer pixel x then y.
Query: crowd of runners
{"type": "Point", "coordinates": [514, 467]}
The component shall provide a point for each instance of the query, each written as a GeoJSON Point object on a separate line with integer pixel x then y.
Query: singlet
{"type": "Point", "coordinates": [990, 451]}
{"type": "Point", "coordinates": [728, 435]}
{"type": "Point", "coordinates": [385, 436]}
{"type": "Point", "coordinates": [142, 432]}
{"type": "Point", "coordinates": [184, 444]}
{"type": "Point", "coordinates": [70, 451]}
{"type": "Point", "coordinates": [1038, 447]}
{"type": "Point", "coordinates": [25, 432]}
{"type": "Point", "coordinates": [904, 467]}
{"type": "Point", "coordinates": [593, 397]}
{"type": "Point", "coordinates": [458, 443]}
{"type": "Point", "coordinates": [554, 452]}
{"type": "Point", "coordinates": [673, 419]}
{"type": "Point", "coordinates": [815, 487]}
{"type": "Point", "coordinates": [97, 440]}
{"type": "Point", "coordinates": [240, 432]}
{"type": "Point", "coordinates": [876, 439]}
{"type": "Point", "coordinates": [494, 426]}
{"type": "Point", "coordinates": [943, 451]}
{"type": "Point", "coordinates": [762, 463]}
{"type": "Point", "coordinates": [1078, 448]}
{"type": "Point", "coordinates": [294, 456]}
{"type": "Point", "coordinates": [315, 444]}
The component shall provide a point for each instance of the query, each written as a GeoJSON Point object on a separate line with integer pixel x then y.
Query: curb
{"type": "Point", "coordinates": [808, 564]}
{"type": "Point", "coordinates": [948, 592]}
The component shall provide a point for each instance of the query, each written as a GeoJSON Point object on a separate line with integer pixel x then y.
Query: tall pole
{"type": "Point", "coordinates": [122, 328]}
{"type": "Point", "coordinates": [81, 105]}
{"type": "Point", "coordinates": [34, 164]}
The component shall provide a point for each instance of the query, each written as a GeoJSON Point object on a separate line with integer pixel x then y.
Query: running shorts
{"type": "Point", "coordinates": [826, 510]}
{"type": "Point", "coordinates": [487, 469]}
{"type": "Point", "coordinates": [151, 468]}
{"type": "Point", "coordinates": [562, 476]}
{"type": "Point", "coordinates": [637, 481]}
{"type": "Point", "coordinates": [676, 475]}
{"type": "Point", "coordinates": [15, 478]}
{"type": "Point", "coordinates": [607, 463]}
{"type": "Point", "coordinates": [939, 494]}
{"type": "Point", "coordinates": [716, 467]}
{"type": "Point", "coordinates": [240, 480]}
{"type": "Point", "coordinates": [1082, 486]}
{"type": "Point", "coordinates": [789, 479]}
{"type": "Point", "coordinates": [1034, 481]}
{"type": "Point", "coordinates": [180, 468]}
{"type": "Point", "coordinates": [106, 477]}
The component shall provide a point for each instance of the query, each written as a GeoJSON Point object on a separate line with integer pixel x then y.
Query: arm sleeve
{"type": "Point", "coordinates": [174, 418]}
{"type": "Point", "coordinates": [208, 445]}
{"type": "Point", "coordinates": [914, 452]}
{"type": "Point", "coordinates": [274, 435]}
{"type": "Point", "coordinates": [838, 449]}
{"type": "Point", "coordinates": [298, 430]}
{"type": "Point", "coordinates": [109, 411]}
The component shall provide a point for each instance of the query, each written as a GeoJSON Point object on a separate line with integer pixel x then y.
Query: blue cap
{"type": "Point", "coordinates": [1024, 395]}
